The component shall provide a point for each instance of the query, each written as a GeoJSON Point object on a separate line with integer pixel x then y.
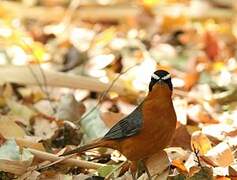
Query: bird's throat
{"type": "Point", "coordinates": [159, 92]}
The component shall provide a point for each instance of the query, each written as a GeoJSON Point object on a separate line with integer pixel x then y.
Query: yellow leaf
{"type": "Point", "coordinates": [105, 37]}
{"type": "Point", "coordinates": [200, 142]}
{"type": "Point", "coordinates": [150, 3]}
{"type": "Point", "coordinates": [9, 129]}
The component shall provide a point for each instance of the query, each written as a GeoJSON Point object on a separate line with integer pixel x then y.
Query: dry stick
{"type": "Point", "coordinates": [20, 74]}
{"type": "Point", "coordinates": [112, 12]}
{"type": "Point", "coordinates": [196, 152]}
{"type": "Point", "coordinates": [44, 83]}
{"type": "Point", "coordinates": [67, 160]}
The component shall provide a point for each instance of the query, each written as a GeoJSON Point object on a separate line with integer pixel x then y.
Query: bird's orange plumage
{"type": "Point", "coordinates": [158, 127]}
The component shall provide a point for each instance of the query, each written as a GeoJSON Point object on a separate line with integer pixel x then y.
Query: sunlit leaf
{"type": "Point", "coordinates": [200, 142]}
{"type": "Point", "coordinates": [9, 128]}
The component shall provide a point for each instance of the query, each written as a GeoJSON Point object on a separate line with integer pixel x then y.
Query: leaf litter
{"type": "Point", "coordinates": [68, 77]}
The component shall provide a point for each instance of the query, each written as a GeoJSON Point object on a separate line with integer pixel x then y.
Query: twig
{"type": "Point", "coordinates": [67, 160]}
{"type": "Point", "coordinates": [44, 82]}
{"type": "Point", "coordinates": [196, 152]}
{"type": "Point", "coordinates": [21, 74]}
{"type": "Point", "coordinates": [106, 92]}
{"type": "Point", "coordinates": [110, 12]}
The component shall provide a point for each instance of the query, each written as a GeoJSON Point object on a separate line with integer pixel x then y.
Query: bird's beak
{"type": "Point", "coordinates": [160, 81]}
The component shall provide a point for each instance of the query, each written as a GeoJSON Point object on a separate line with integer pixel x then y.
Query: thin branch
{"type": "Point", "coordinates": [109, 12]}
{"type": "Point", "coordinates": [196, 152]}
{"type": "Point", "coordinates": [106, 92]}
{"type": "Point", "coordinates": [44, 83]}
{"type": "Point", "coordinates": [20, 74]}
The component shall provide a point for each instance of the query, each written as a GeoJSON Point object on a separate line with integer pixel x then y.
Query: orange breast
{"type": "Point", "coordinates": [159, 121]}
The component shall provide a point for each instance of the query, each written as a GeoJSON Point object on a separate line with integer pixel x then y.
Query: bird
{"type": "Point", "coordinates": [146, 130]}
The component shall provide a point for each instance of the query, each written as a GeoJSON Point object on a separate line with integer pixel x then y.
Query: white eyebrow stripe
{"type": "Point", "coordinates": [168, 76]}
{"type": "Point", "coordinates": [155, 76]}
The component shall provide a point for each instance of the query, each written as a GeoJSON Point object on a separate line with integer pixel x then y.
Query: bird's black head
{"type": "Point", "coordinates": [161, 76]}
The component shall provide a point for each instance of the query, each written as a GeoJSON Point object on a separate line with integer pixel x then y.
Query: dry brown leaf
{"type": "Point", "coordinates": [158, 163]}
{"type": "Point", "coordinates": [69, 109]}
{"type": "Point", "coordinates": [9, 129]}
{"type": "Point", "coordinates": [231, 133]}
{"type": "Point", "coordinates": [190, 79]}
{"type": "Point", "coordinates": [220, 155]}
{"type": "Point", "coordinates": [30, 175]}
{"type": "Point", "coordinates": [200, 142]}
{"type": "Point", "coordinates": [180, 166]}
{"type": "Point", "coordinates": [233, 171]}
{"type": "Point", "coordinates": [193, 170]}
{"type": "Point", "coordinates": [173, 22]}
{"type": "Point", "coordinates": [26, 143]}
{"type": "Point", "coordinates": [44, 107]}
{"type": "Point", "coordinates": [181, 138]}
{"type": "Point", "coordinates": [217, 131]}
{"type": "Point", "coordinates": [15, 167]}
{"type": "Point", "coordinates": [198, 114]}
{"type": "Point", "coordinates": [44, 128]}
{"type": "Point", "coordinates": [223, 178]}
{"type": "Point", "coordinates": [178, 158]}
{"type": "Point", "coordinates": [212, 47]}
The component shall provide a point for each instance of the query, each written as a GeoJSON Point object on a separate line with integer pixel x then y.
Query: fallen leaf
{"type": "Point", "coordinates": [44, 128]}
{"type": "Point", "coordinates": [181, 138]}
{"type": "Point", "coordinates": [198, 114]}
{"type": "Point", "coordinates": [233, 170]}
{"type": "Point", "coordinates": [220, 171]}
{"type": "Point", "coordinates": [217, 131]}
{"type": "Point", "coordinates": [223, 178]}
{"type": "Point", "coordinates": [69, 109]}
{"type": "Point", "coordinates": [158, 163]}
{"type": "Point", "coordinates": [205, 173]}
{"type": "Point", "coordinates": [180, 166]}
{"type": "Point", "coordinates": [93, 126]}
{"type": "Point", "coordinates": [9, 129]}
{"type": "Point", "coordinates": [20, 110]}
{"type": "Point", "coordinates": [190, 79]}
{"type": "Point", "coordinates": [106, 170]}
{"type": "Point", "coordinates": [200, 142]}
{"type": "Point", "coordinates": [212, 47]}
{"type": "Point", "coordinates": [29, 143]}
{"type": "Point", "coordinates": [220, 155]}
{"type": "Point", "coordinates": [44, 107]}
{"type": "Point", "coordinates": [12, 159]}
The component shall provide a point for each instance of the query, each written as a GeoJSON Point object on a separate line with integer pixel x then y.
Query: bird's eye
{"type": "Point", "coordinates": [156, 77]}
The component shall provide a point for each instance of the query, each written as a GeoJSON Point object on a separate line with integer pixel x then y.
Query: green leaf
{"type": "Point", "coordinates": [104, 171]}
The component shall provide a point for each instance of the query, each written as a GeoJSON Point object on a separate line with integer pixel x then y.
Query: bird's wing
{"type": "Point", "coordinates": [128, 126]}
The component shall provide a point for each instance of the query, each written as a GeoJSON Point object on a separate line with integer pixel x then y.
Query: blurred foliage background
{"type": "Point", "coordinates": [71, 69]}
